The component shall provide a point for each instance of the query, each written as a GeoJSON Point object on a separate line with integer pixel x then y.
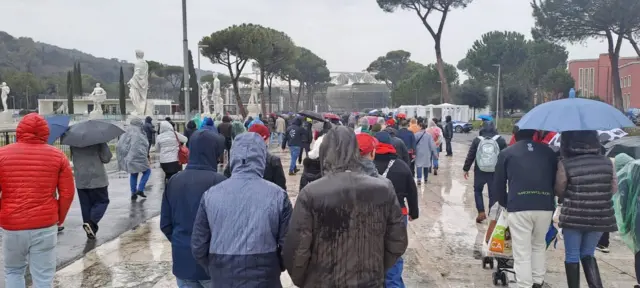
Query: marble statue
{"type": "Point", "coordinates": [139, 85]}
{"type": "Point", "coordinates": [4, 93]}
{"type": "Point", "coordinates": [98, 96]}
{"type": "Point", "coordinates": [204, 97]}
{"type": "Point", "coordinates": [218, 102]}
{"type": "Point", "coordinates": [253, 107]}
{"type": "Point", "coordinates": [62, 109]}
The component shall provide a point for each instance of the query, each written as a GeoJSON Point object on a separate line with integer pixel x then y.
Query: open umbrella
{"type": "Point", "coordinates": [58, 124]}
{"type": "Point", "coordinates": [629, 145]}
{"type": "Point", "coordinates": [604, 136]}
{"type": "Point", "coordinates": [91, 132]}
{"type": "Point", "coordinates": [311, 114]}
{"type": "Point", "coordinates": [574, 114]}
{"type": "Point", "coordinates": [331, 116]}
{"type": "Point", "coordinates": [485, 117]}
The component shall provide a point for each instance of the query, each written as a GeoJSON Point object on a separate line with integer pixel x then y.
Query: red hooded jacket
{"type": "Point", "coordinates": [30, 173]}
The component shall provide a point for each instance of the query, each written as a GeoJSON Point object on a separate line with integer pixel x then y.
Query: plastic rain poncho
{"type": "Point", "coordinates": [237, 127]}
{"type": "Point", "coordinates": [626, 201]}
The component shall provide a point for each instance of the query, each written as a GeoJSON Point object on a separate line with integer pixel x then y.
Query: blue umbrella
{"type": "Point", "coordinates": [485, 117]}
{"type": "Point", "coordinates": [574, 114]}
{"type": "Point", "coordinates": [57, 126]}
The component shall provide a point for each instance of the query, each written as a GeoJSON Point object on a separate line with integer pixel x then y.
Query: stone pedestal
{"type": "Point", "coordinates": [96, 115]}
{"type": "Point", "coordinates": [6, 117]}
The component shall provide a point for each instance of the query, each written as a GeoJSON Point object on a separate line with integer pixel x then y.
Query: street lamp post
{"type": "Point", "coordinates": [200, 102]}
{"type": "Point", "coordinates": [185, 48]}
{"type": "Point", "coordinates": [498, 94]}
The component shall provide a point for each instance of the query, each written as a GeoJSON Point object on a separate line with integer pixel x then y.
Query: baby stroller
{"type": "Point", "coordinates": [505, 264]}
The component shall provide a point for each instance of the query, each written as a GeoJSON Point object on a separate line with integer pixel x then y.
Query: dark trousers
{"type": "Point", "coordinates": [604, 240]}
{"type": "Point", "coordinates": [447, 143]}
{"type": "Point", "coordinates": [170, 169]}
{"type": "Point", "coordinates": [480, 179]}
{"type": "Point", "coordinates": [304, 148]}
{"type": "Point", "coordinates": [93, 203]}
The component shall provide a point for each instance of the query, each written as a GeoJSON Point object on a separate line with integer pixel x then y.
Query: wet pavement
{"type": "Point", "coordinates": [444, 247]}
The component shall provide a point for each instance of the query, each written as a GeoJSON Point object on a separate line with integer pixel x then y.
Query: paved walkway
{"type": "Point", "coordinates": [444, 249]}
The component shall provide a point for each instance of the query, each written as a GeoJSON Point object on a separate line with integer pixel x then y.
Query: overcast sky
{"type": "Point", "coordinates": [349, 34]}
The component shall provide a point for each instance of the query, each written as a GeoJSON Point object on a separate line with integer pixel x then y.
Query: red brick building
{"type": "Point", "coordinates": [593, 78]}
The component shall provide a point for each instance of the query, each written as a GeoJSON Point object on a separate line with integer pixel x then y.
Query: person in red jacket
{"type": "Point", "coordinates": [30, 209]}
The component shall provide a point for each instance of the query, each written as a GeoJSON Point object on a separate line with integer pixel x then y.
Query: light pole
{"type": "Point", "coordinates": [185, 48]}
{"type": "Point", "coordinates": [200, 102]}
{"type": "Point", "coordinates": [498, 94]}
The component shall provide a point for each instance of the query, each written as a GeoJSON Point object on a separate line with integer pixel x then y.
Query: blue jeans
{"type": "Point", "coordinates": [436, 162]}
{"type": "Point", "coordinates": [133, 181]}
{"type": "Point", "coordinates": [479, 180]}
{"type": "Point", "coordinates": [422, 170]}
{"type": "Point", "coordinates": [393, 279]}
{"type": "Point", "coordinates": [295, 152]}
{"type": "Point", "coordinates": [193, 283]}
{"type": "Point", "coordinates": [579, 244]}
{"type": "Point", "coordinates": [35, 247]}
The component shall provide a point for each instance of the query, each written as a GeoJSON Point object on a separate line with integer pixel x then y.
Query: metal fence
{"type": "Point", "coordinates": [8, 136]}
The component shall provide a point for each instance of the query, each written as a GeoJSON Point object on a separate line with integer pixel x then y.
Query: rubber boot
{"type": "Point", "coordinates": [573, 274]}
{"type": "Point", "coordinates": [591, 272]}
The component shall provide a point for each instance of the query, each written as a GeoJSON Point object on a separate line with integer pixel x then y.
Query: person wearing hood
{"type": "Point", "coordinates": [132, 152]}
{"type": "Point", "coordinates": [149, 130]}
{"type": "Point", "coordinates": [436, 134]}
{"type": "Point", "coordinates": [241, 223]}
{"type": "Point", "coordinates": [329, 230]}
{"type": "Point", "coordinates": [426, 150]}
{"type": "Point", "coordinates": [293, 137]}
{"type": "Point", "coordinates": [31, 172]}
{"type": "Point", "coordinates": [367, 145]}
{"type": "Point", "coordinates": [483, 154]}
{"type": "Point", "coordinates": [399, 174]}
{"type": "Point", "coordinates": [247, 122]}
{"type": "Point", "coordinates": [311, 168]}
{"type": "Point", "coordinates": [409, 139]}
{"type": "Point", "coordinates": [190, 128]}
{"type": "Point", "coordinates": [167, 147]}
{"type": "Point", "coordinates": [447, 133]}
{"type": "Point", "coordinates": [530, 202]}
{"type": "Point", "coordinates": [398, 144]}
{"type": "Point", "coordinates": [273, 171]}
{"type": "Point", "coordinates": [209, 125]}
{"type": "Point", "coordinates": [257, 120]}
{"type": "Point", "coordinates": [363, 125]}
{"type": "Point", "coordinates": [626, 205]}
{"type": "Point", "coordinates": [168, 119]}
{"type": "Point", "coordinates": [180, 203]}
{"type": "Point", "coordinates": [585, 183]}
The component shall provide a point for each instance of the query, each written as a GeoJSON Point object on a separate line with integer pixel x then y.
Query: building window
{"type": "Point", "coordinates": [592, 87]}
{"type": "Point", "coordinates": [626, 101]}
{"type": "Point", "coordinates": [629, 81]}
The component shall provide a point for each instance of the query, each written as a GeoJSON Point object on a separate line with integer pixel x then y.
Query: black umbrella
{"type": "Point", "coordinates": [629, 145]}
{"type": "Point", "coordinates": [90, 132]}
{"type": "Point", "coordinates": [312, 115]}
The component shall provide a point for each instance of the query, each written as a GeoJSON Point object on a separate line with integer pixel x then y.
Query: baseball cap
{"type": "Point", "coordinates": [366, 143]}
{"type": "Point", "coordinates": [261, 130]}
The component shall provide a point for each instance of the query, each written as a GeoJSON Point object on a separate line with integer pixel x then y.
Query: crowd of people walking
{"type": "Point", "coordinates": [357, 194]}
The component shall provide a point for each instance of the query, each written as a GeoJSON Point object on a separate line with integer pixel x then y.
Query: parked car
{"type": "Point", "coordinates": [461, 126]}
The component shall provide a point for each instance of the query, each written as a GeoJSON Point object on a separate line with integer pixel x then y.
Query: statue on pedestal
{"type": "Point", "coordinates": [98, 96]}
{"type": "Point", "coordinates": [204, 97]}
{"type": "Point", "coordinates": [218, 103]}
{"type": "Point", "coordinates": [252, 107]}
{"type": "Point", "coordinates": [4, 93]}
{"type": "Point", "coordinates": [139, 85]}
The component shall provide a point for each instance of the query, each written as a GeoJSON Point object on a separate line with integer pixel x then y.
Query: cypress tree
{"type": "Point", "coordinates": [194, 93]}
{"type": "Point", "coordinates": [121, 95]}
{"type": "Point", "coordinates": [79, 81]}
{"type": "Point", "coordinates": [74, 78]}
{"type": "Point", "coordinates": [69, 93]}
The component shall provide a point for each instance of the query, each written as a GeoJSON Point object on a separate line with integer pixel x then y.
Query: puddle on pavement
{"type": "Point", "coordinates": [456, 223]}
